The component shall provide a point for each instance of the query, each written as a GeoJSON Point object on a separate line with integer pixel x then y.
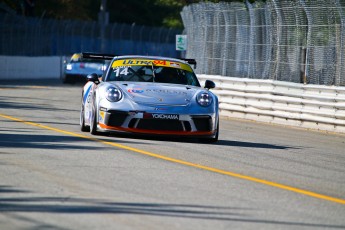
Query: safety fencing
{"type": "Point", "coordinates": [299, 41]}
{"type": "Point", "coordinates": [290, 104]}
{"type": "Point", "coordinates": [25, 36]}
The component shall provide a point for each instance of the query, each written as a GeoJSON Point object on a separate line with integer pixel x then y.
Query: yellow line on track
{"type": "Point", "coordinates": [186, 163]}
{"type": "Point", "coordinates": [23, 87]}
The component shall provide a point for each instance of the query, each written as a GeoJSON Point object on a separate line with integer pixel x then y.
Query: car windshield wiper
{"type": "Point", "coordinates": [153, 72]}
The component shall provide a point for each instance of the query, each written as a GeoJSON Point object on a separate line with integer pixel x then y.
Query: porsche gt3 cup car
{"type": "Point", "coordinates": [152, 96]}
{"type": "Point", "coordinates": [79, 67]}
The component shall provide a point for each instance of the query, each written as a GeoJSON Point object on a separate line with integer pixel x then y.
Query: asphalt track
{"type": "Point", "coordinates": [258, 176]}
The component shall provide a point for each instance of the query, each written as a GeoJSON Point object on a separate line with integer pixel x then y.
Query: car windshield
{"type": "Point", "coordinates": [152, 71]}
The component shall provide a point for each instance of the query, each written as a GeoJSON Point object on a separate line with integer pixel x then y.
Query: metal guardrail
{"type": "Point", "coordinates": [297, 41]}
{"type": "Point", "coordinates": [286, 103]}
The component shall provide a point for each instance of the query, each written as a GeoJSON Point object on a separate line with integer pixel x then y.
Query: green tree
{"type": "Point", "coordinates": [142, 12]}
{"type": "Point", "coordinates": [65, 9]}
{"type": "Point", "coordinates": [146, 12]}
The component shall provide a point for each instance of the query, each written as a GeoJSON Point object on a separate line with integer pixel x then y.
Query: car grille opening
{"type": "Point", "coordinates": [115, 118]}
{"type": "Point", "coordinates": [202, 123]}
{"type": "Point", "coordinates": [132, 123]}
{"type": "Point", "coordinates": [162, 125]}
{"type": "Point", "coordinates": [187, 126]}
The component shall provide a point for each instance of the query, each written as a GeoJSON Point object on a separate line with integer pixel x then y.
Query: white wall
{"type": "Point", "coordinates": [17, 67]}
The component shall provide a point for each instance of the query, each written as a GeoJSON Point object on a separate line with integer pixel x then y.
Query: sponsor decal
{"type": "Point", "coordinates": [138, 90]}
{"type": "Point", "coordinates": [130, 62]}
{"type": "Point", "coordinates": [161, 116]}
{"type": "Point", "coordinates": [136, 62]}
{"type": "Point", "coordinates": [160, 109]}
{"type": "Point", "coordinates": [159, 62]}
{"type": "Point", "coordinates": [166, 91]}
{"type": "Point", "coordinates": [175, 64]}
{"type": "Point", "coordinates": [101, 116]}
{"type": "Point", "coordinates": [148, 62]}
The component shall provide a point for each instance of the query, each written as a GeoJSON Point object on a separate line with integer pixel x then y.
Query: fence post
{"type": "Point", "coordinates": [303, 65]}
{"type": "Point", "coordinates": [103, 19]}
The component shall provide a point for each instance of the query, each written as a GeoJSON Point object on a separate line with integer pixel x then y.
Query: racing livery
{"type": "Point", "coordinates": [149, 95]}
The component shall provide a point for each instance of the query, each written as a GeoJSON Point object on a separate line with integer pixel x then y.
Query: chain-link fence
{"type": "Point", "coordinates": [299, 41]}
{"type": "Point", "coordinates": [40, 37]}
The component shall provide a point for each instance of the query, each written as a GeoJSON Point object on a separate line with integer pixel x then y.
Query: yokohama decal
{"type": "Point", "coordinates": [161, 116]}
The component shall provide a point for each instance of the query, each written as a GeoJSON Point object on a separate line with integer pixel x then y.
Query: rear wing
{"type": "Point", "coordinates": [98, 56]}
{"type": "Point", "coordinates": [190, 61]}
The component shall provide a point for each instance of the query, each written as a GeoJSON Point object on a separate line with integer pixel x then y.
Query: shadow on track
{"type": "Point", "coordinates": [66, 205]}
{"type": "Point", "coordinates": [195, 140]}
{"type": "Point", "coordinates": [251, 145]}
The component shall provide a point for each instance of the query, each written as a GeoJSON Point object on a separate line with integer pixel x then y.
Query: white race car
{"type": "Point", "coordinates": [149, 95]}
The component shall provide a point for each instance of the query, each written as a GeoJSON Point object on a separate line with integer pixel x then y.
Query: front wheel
{"type": "Point", "coordinates": [93, 120]}
{"type": "Point", "coordinates": [83, 127]}
{"type": "Point", "coordinates": [211, 139]}
{"type": "Point", "coordinates": [66, 78]}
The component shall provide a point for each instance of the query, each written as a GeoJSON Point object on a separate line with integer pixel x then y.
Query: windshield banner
{"type": "Point", "coordinates": [149, 62]}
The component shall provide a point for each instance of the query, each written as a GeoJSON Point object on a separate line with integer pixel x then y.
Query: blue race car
{"type": "Point", "coordinates": [79, 67]}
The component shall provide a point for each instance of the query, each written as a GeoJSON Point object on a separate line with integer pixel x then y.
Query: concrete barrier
{"type": "Point", "coordinates": [292, 104]}
{"type": "Point", "coordinates": [18, 67]}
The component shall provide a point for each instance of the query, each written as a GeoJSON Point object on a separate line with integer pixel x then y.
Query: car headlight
{"type": "Point", "coordinates": [113, 94]}
{"type": "Point", "coordinates": [204, 99]}
{"type": "Point", "coordinates": [69, 66]}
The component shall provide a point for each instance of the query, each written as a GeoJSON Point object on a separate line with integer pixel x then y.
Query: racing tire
{"type": "Point", "coordinates": [211, 139]}
{"type": "Point", "coordinates": [83, 127]}
{"type": "Point", "coordinates": [66, 79]}
{"type": "Point", "coordinates": [93, 121]}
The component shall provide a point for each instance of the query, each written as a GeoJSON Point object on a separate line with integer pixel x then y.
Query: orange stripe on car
{"type": "Point", "coordinates": [184, 133]}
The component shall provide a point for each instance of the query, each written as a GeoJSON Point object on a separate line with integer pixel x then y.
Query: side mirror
{"type": "Point", "coordinates": [93, 77]}
{"type": "Point", "coordinates": [209, 84]}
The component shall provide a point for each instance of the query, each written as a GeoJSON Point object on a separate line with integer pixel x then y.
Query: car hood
{"type": "Point", "coordinates": [158, 93]}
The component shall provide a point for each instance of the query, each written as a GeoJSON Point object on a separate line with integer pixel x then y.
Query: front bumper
{"type": "Point", "coordinates": [157, 123]}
